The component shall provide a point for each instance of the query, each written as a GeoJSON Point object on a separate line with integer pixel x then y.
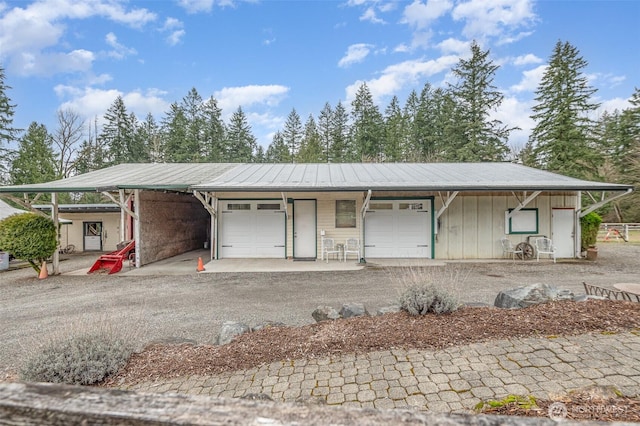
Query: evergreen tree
{"type": "Point", "coordinates": [34, 161]}
{"type": "Point", "coordinates": [192, 108]}
{"type": "Point", "coordinates": [367, 129]}
{"type": "Point", "coordinates": [311, 147]}
{"type": "Point", "coordinates": [395, 132]}
{"type": "Point", "coordinates": [476, 96]}
{"type": "Point", "coordinates": [175, 129]}
{"type": "Point", "coordinates": [293, 133]}
{"type": "Point", "coordinates": [213, 132]}
{"type": "Point", "coordinates": [561, 139]}
{"type": "Point", "coordinates": [118, 133]}
{"type": "Point", "coordinates": [278, 151]}
{"type": "Point", "coordinates": [341, 150]}
{"type": "Point", "coordinates": [7, 131]}
{"type": "Point", "coordinates": [325, 128]}
{"type": "Point", "coordinates": [260, 156]}
{"type": "Point", "coordinates": [413, 128]}
{"type": "Point", "coordinates": [149, 135]}
{"type": "Point", "coordinates": [138, 147]}
{"type": "Point", "coordinates": [92, 154]}
{"type": "Point", "coordinates": [241, 143]}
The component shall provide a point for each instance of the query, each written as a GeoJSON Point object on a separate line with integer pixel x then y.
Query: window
{"type": "Point", "coordinates": [271, 206]}
{"type": "Point", "coordinates": [345, 213]}
{"type": "Point", "coordinates": [237, 206]}
{"type": "Point", "coordinates": [410, 206]}
{"type": "Point", "coordinates": [524, 221]}
{"type": "Point", "coordinates": [380, 206]}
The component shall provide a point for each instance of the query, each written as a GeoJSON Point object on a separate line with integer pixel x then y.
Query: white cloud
{"type": "Point", "coordinates": [420, 15]}
{"type": "Point", "coordinates": [355, 53]}
{"type": "Point", "coordinates": [610, 105]}
{"type": "Point", "coordinates": [230, 98]}
{"type": "Point", "coordinates": [530, 80]}
{"type": "Point", "coordinates": [25, 32]}
{"type": "Point", "coordinates": [493, 18]}
{"type": "Point", "coordinates": [91, 102]}
{"type": "Point", "coordinates": [527, 59]}
{"type": "Point", "coordinates": [398, 76]}
{"type": "Point", "coordinates": [175, 37]}
{"type": "Point", "coordinates": [196, 6]}
{"type": "Point", "coordinates": [515, 113]}
{"type": "Point", "coordinates": [175, 29]}
{"type": "Point", "coordinates": [53, 63]}
{"type": "Point", "coordinates": [454, 46]}
{"type": "Point", "coordinates": [119, 51]}
{"type": "Point", "coordinates": [370, 15]}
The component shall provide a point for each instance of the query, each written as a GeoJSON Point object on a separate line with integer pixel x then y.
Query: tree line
{"type": "Point", "coordinates": [436, 124]}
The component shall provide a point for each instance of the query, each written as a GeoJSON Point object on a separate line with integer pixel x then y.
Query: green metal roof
{"type": "Point", "coordinates": [158, 176]}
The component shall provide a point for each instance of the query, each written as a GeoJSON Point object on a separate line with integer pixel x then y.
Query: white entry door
{"type": "Point", "coordinates": [92, 236]}
{"type": "Point", "coordinates": [563, 231]}
{"type": "Point", "coordinates": [398, 228]}
{"type": "Point", "coordinates": [304, 229]}
{"type": "Point", "coordinates": [251, 229]}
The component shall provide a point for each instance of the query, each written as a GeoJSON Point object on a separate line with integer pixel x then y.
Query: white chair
{"type": "Point", "coordinates": [509, 249]}
{"type": "Point", "coordinates": [545, 246]}
{"type": "Point", "coordinates": [329, 247]}
{"type": "Point", "coordinates": [352, 246]}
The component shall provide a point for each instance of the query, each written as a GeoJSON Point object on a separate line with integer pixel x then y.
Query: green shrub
{"type": "Point", "coordinates": [29, 237]}
{"type": "Point", "coordinates": [420, 299]}
{"type": "Point", "coordinates": [79, 360]}
{"type": "Point", "coordinates": [590, 225]}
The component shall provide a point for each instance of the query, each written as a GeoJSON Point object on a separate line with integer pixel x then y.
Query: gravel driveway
{"type": "Point", "coordinates": [192, 307]}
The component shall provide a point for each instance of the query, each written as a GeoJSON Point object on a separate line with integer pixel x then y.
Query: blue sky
{"type": "Point", "coordinates": [271, 56]}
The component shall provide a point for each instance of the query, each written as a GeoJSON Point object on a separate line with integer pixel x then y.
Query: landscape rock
{"type": "Point", "coordinates": [350, 310]}
{"type": "Point", "coordinates": [585, 297]}
{"type": "Point", "coordinates": [229, 330]}
{"type": "Point", "coordinates": [388, 310]}
{"type": "Point", "coordinates": [522, 297]}
{"type": "Point", "coordinates": [325, 313]}
{"type": "Point", "coordinates": [268, 324]}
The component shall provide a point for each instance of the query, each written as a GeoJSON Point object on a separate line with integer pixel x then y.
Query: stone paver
{"type": "Point", "coordinates": [454, 379]}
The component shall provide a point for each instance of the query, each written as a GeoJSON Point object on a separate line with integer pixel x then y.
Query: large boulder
{"type": "Point", "coordinates": [353, 310]}
{"type": "Point", "coordinates": [230, 330]}
{"type": "Point", "coordinates": [325, 313]}
{"type": "Point", "coordinates": [534, 294]}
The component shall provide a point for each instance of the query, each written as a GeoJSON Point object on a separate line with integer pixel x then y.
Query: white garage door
{"type": "Point", "coordinates": [251, 229]}
{"type": "Point", "coordinates": [398, 228]}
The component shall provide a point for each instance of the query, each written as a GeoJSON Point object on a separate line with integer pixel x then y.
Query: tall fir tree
{"type": "Point", "coordinates": [118, 133]}
{"type": "Point", "coordinates": [341, 148]}
{"type": "Point", "coordinates": [278, 151]}
{"type": "Point", "coordinates": [367, 129]}
{"type": "Point", "coordinates": [477, 97]}
{"type": "Point", "coordinates": [34, 161]}
{"type": "Point", "coordinates": [241, 143]}
{"type": "Point", "coordinates": [149, 134]}
{"type": "Point", "coordinates": [395, 130]}
{"type": "Point", "coordinates": [311, 146]}
{"type": "Point", "coordinates": [213, 132]}
{"type": "Point", "coordinates": [325, 126]}
{"type": "Point", "coordinates": [192, 107]}
{"type": "Point", "coordinates": [293, 133]}
{"type": "Point", "coordinates": [8, 133]}
{"type": "Point", "coordinates": [561, 139]}
{"type": "Point", "coordinates": [175, 129]}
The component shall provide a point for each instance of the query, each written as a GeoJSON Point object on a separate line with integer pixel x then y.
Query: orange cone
{"type": "Point", "coordinates": [44, 273]}
{"type": "Point", "coordinates": [200, 265]}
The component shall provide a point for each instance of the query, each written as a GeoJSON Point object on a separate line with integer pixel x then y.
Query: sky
{"type": "Point", "coordinates": [272, 56]}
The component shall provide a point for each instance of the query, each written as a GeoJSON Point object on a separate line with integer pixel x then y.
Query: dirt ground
{"type": "Point", "coordinates": [192, 307]}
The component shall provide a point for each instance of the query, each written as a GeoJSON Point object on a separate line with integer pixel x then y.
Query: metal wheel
{"type": "Point", "coordinates": [527, 251]}
{"type": "Point", "coordinates": [69, 249]}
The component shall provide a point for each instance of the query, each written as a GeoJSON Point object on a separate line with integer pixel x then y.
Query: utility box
{"type": "Point", "coordinates": [4, 261]}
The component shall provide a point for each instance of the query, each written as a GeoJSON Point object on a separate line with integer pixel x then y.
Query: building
{"type": "Point", "coordinates": [405, 210]}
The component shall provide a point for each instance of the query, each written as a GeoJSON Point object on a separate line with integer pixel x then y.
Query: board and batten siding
{"type": "Point", "coordinates": [473, 225]}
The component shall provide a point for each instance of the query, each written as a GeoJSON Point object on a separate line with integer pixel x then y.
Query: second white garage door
{"type": "Point", "coordinates": [398, 228]}
{"type": "Point", "coordinates": [251, 229]}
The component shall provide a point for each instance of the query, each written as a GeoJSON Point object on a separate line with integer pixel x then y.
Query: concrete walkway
{"type": "Point", "coordinates": [449, 380]}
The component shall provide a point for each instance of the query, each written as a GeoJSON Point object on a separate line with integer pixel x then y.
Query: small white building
{"type": "Point", "coordinates": [401, 210]}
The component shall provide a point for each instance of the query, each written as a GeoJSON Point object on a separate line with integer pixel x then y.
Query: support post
{"type": "Point", "coordinates": [136, 226]}
{"type": "Point", "coordinates": [56, 223]}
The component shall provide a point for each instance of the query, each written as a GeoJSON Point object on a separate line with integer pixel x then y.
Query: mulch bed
{"type": "Point", "coordinates": [398, 330]}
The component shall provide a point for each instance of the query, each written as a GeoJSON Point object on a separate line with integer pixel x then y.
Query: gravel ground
{"type": "Point", "coordinates": [192, 307]}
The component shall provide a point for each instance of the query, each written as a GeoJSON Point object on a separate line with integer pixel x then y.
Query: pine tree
{"type": "Point", "coordinates": [7, 132]}
{"type": "Point", "coordinates": [395, 132]}
{"type": "Point", "coordinates": [367, 129]}
{"type": "Point", "coordinates": [292, 133]}
{"type": "Point", "coordinates": [311, 147]}
{"type": "Point", "coordinates": [192, 108]}
{"type": "Point", "coordinates": [476, 96]}
{"type": "Point", "coordinates": [278, 151]}
{"type": "Point", "coordinates": [561, 139]}
{"type": "Point", "coordinates": [175, 129]}
{"type": "Point", "coordinates": [241, 143]}
{"type": "Point", "coordinates": [325, 123]}
{"type": "Point", "coordinates": [149, 135]}
{"type": "Point", "coordinates": [341, 150]}
{"type": "Point", "coordinates": [213, 132]}
{"type": "Point", "coordinates": [118, 133]}
{"type": "Point", "coordinates": [34, 161]}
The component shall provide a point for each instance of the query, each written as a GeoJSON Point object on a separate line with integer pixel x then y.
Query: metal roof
{"type": "Point", "coordinates": [397, 177]}
{"type": "Point", "coordinates": [160, 176]}
{"type": "Point", "coordinates": [235, 177]}
{"type": "Point", "coordinates": [81, 208]}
